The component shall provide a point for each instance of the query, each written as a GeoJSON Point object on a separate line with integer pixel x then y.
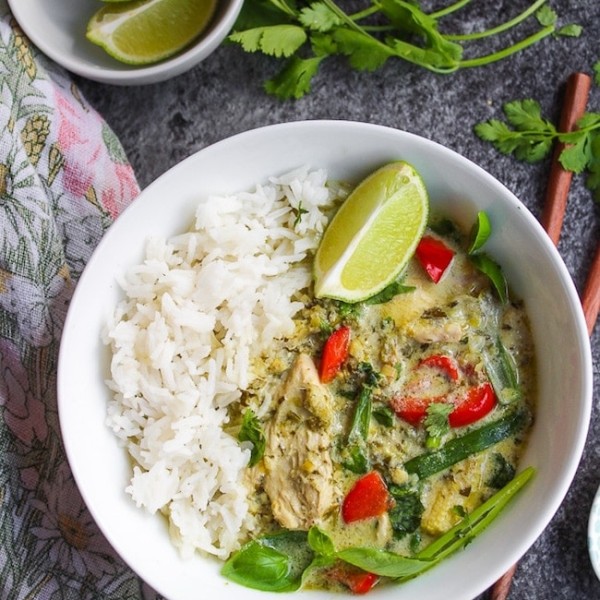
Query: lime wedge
{"type": "Point", "coordinates": [146, 31]}
{"type": "Point", "coordinates": [373, 235]}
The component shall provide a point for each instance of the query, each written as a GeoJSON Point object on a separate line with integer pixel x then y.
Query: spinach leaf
{"type": "Point", "coordinates": [354, 458]}
{"type": "Point", "coordinates": [384, 415]}
{"type": "Point", "coordinates": [405, 516]}
{"type": "Point", "coordinates": [503, 472]}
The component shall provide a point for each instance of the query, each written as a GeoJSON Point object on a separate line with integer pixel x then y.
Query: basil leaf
{"type": "Point", "coordinates": [493, 270]}
{"type": "Point", "coordinates": [273, 563]}
{"type": "Point", "coordinates": [320, 542]}
{"type": "Point", "coordinates": [261, 568]}
{"type": "Point", "coordinates": [388, 292]}
{"type": "Point", "coordinates": [362, 416]}
{"type": "Point", "coordinates": [380, 562]}
{"type": "Point", "coordinates": [251, 431]}
{"type": "Point", "coordinates": [480, 232]}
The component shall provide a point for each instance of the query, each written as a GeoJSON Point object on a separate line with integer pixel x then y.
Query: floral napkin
{"type": "Point", "coordinates": [63, 179]}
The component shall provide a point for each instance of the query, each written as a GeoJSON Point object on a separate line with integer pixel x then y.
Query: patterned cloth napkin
{"type": "Point", "coordinates": [63, 179]}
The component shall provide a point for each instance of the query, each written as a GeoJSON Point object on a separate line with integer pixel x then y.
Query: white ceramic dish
{"type": "Point", "coordinates": [57, 28]}
{"type": "Point", "coordinates": [349, 151]}
{"type": "Point", "coordinates": [594, 534]}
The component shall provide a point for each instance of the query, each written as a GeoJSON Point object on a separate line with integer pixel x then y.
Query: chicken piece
{"type": "Point", "coordinates": [429, 331]}
{"type": "Point", "coordinates": [299, 471]}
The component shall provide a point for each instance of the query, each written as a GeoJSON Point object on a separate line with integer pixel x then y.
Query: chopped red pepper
{"type": "Point", "coordinates": [410, 408]}
{"type": "Point", "coordinates": [445, 363]}
{"type": "Point", "coordinates": [478, 402]}
{"type": "Point", "coordinates": [335, 352]}
{"type": "Point", "coordinates": [434, 256]}
{"type": "Point", "coordinates": [357, 580]}
{"type": "Point", "coordinates": [413, 409]}
{"type": "Point", "coordinates": [367, 498]}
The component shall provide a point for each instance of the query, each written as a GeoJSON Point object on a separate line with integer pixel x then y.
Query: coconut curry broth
{"type": "Point", "coordinates": [430, 345]}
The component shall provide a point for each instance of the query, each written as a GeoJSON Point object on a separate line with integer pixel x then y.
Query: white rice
{"type": "Point", "coordinates": [198, 310]}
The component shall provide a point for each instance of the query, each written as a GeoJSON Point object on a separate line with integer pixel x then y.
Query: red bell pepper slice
{"type": "Point", "coordinates": [445, 363]}
{"type": "Point", "coordinates": [434, 257]}
{"type": "Point", "coordinates": [368, 497]}
{"type": "Point", "coordinates": [478, 402]}
{"type": "Point", "coordinates": [335, 353]}
{"type": "Point", "coordinates": [357, 580]}
{"type": "Point", "coordinates": [411, 409]}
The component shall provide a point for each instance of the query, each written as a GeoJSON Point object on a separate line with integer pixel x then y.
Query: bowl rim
{"type": "Point", "coordinates": [286, 129]}
{"type": "Point", "coordinates": [181, 62]}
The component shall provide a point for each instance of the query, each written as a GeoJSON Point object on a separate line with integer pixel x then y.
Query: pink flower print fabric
{"type": "Point", "coordinates": [64, 178]}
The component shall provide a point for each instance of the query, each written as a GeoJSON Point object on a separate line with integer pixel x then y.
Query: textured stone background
{"type": "Point", "coordinates": [161, 124]}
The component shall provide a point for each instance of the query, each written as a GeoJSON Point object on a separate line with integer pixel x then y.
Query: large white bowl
{"type": "Point", "coordinates": [57, 28]}
{"type": "Point", "coordinates": [349, 151]}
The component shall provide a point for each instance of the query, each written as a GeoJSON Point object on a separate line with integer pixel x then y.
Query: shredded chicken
{"type": "Point", "coordinates": [299, 471]}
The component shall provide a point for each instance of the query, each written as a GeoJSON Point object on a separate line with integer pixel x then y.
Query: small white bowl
{"type": "Point", "coordinates": [594, 534]}
{"type": "Point", "coordinates": [57, 28]}
{"type": "Point", "coordinates": [349, 151]}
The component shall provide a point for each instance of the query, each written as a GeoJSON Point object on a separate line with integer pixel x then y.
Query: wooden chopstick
{"type": "Point", "coordinates": [576, 97]}
{"type": "Point", "coordinates": [559, 182]}
{"type": "Point", "coordinates": [590, 299]}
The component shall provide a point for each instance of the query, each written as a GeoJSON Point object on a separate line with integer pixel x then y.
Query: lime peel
{"type": "Point", "coordinates": [373, 235]}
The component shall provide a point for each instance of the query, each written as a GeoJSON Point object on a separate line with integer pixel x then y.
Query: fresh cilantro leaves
{"type": "Point", "coordinates": [306, 32]}
{"type": "Point", "coordinates": [529, 137]}
{"type": "Point", "coordinates": [252, 431]}
{"type": "Point", "coordinates": [436, 422]}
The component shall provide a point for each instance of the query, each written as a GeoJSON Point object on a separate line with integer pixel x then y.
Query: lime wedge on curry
{"type": "Point", "coordinates": [374, 234]}
{"type": "Point", "coordinates": [142, 32]}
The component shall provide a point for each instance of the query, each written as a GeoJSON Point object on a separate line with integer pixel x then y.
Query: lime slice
{"type": "Point", "coordinates": [146, 31]}
{"type": "Point", "coordinates": [373, 235]}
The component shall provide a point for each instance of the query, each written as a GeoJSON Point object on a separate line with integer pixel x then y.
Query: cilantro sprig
{"type": "Point", "coordinates": [530, 137]}
{"type": "Point", "coordinates": [304, 33]}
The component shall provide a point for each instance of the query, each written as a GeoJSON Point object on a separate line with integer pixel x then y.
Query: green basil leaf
{"type": "Point", "coordinates": [362, 416]}
{"type": "Point", "coordinates": [320, 542]}
{"type": "Point", "coordinates": [380, 562]}
{"type": "Point", "coordinates": [260, 567]}
{"type": "Point", "coordinates": [272, 563]}
{"type": "Point", "coordinates": [251, 431]}
{"type": "Point", "coordinates": [387, 293]}
{"type": "Point", "coordinates": [480, 232]}
{"type": "Point", "coordinates": [493, 270]}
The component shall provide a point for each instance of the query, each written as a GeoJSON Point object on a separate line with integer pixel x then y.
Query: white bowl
{"type": "Point", "coordinates": [349, 151]}
{"type": "Point", "coordinates": [57, 28]}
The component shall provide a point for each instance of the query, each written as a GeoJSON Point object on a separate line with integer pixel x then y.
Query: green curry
{"type": "Point", "coordinates": [380, 426]}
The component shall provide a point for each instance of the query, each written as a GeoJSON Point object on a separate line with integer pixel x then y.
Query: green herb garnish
{"type": "Point", "coordinates": [529, 137]}
{"type": "Point", "coordinates": [252, 431]}
{"type": "Point", "coordinates": [305, 33]}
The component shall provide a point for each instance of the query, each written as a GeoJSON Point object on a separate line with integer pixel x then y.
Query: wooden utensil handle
{"type": "Point", "coordinates": [576, 97]}
{"type": "Point", "coordinates": [590, 298]}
